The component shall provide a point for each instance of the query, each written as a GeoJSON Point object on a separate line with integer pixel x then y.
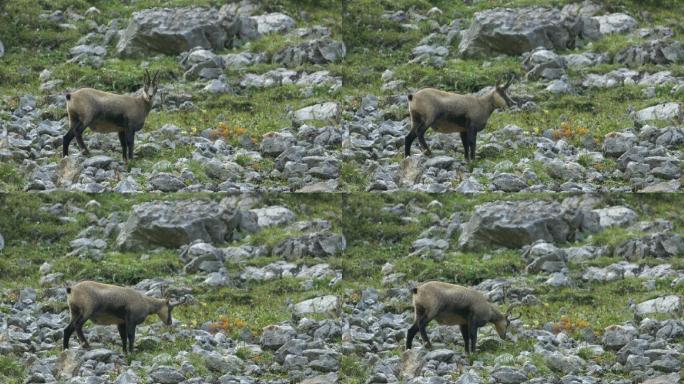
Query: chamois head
{"type": "Point", "coordinates": [164, 311]}
{"type": "Point", "coordinates": [504, 321]}
{"type": "Point", "coordinates": [150, 85]}
{"type": "Point", "coordinates": [501, 99]}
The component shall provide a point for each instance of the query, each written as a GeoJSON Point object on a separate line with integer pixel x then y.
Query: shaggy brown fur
{"type": "Point", "coordinates": [449, 112]}
{"type": "Point", "coordinates": [452, 304]}
{"type": "Point", "coordinates": [106, 304]}
{"type": "Point", "coordinates": [106, 112]}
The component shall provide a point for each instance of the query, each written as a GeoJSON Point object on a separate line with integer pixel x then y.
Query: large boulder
{"type": "Point", "coordinates": [276, 335]}
{"type": "Point", "coordinates": [513, 224]}
{"type": "Point", "coordinates": [661, 245]}
{"type": "Point", "coordinates": [662, 52]}
{"type": "Point", "coordinates": [318, 244]}
{"type": "Point", "coordinates": [666, 304]}
{"type": "Point", "coordinates": [175, 223]}
{"type": "Point", "coordinates": [617, 143]}
{"type": "Point", "coordinates": [275, 143]}
{"type": "Point", "coordinates": [174, 30]}
{"type": "Point", "coordinates": [615, 23]}
{"type": "Point", "coordinates": [258, 218]}
{"type": "Point", "coordinates": [597, 220]}
{"type": "Point", "coordinates": [666, 111]}
{"type": "Point", "coordinates": [273, 22]}
{"type": "Point", "coordinates": [319, 51]}
{"type": "Point", "coordinates": [514, 31]}
{"type": "Point", "coordinates": [543, 63]}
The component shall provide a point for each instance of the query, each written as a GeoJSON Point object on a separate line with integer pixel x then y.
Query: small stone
{"type": "Point", "coordinates": [167, 375]}
{"type": "Point", "coordinates": [509, 375]}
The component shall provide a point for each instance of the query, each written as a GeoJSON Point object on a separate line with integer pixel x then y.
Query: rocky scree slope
{"type": "Point", "coordinates": [257, 100]}
{"type": "Point", "coordinates": [284, 289]}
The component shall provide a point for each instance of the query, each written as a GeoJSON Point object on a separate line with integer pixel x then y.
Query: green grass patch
{"type": "Point", "coordinates": [11, 370]}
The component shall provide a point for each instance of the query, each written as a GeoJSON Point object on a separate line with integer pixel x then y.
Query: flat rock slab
{"type": "Point", "coordinates": [512, 224]}
{"type": "Point", "coordinates": [665, 111]}
{"type": "Point", "coordinates": [174, 223]}
{"type": "Point", "coordinates": [665, 304]}
{"type": "Point", "coordinates": [515, 31]}
{"type": "Point", "coordinates": [174, 30]}
{"type": "Point", "coordinates": [324, 111]}
{"type": "Point", "coordinates": [323, 305]}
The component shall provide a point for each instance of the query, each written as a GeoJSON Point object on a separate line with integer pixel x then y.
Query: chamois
{"type": "Point", "coordinates": [452, 304]}
{"type": "Point", "coordinates": [106, 112]}
{"type": "Point", "coordinates": [106, 304]}
{"type": "Point", "coordinates": [450, 112]}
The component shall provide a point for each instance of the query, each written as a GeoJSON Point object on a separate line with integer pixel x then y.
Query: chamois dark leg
{"type": "Point", "coordinates": [66, 140]}
{"type": "Point", "coordinates": [464, 140]}
{"type": "Point", "coordinates": [79, 332]}
{"type": "Point", "coordinates": [130, 139]}
{"type": "Point", "coordinates": [466, 338]}
{"type": "Point", "coordinates": [130, 330]}
{"type": "Point", "coordinates": [124, 146]}
{"type": "Point", "coordinates": [78, 132]}
{"type": "Point", "coordinates": [421, 140]}
{"type": "Point", "coordinates": [410, 334]}
{"type": "Point", "coordinates": [472, 138]}
{"type": "Point", "coordinates": [423, 332]}
{"type": "Point", "coordinates": [408, 140]}
{"type": "Point", "coordinates": [124, 337]}
{"type": "Point", "coordinates": [68, 331]}
{"type": "Point", "coordinates": [472, 328]}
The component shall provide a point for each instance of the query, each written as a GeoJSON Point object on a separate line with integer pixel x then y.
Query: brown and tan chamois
{"type": "Point", "coordinates": [448, 112]}
{"type": "Point", "coordinates": [106, 304]}
{"type": "Point", "coordinates": [106, 112]}
{"type": "Point", "coordinates": [452, 304]}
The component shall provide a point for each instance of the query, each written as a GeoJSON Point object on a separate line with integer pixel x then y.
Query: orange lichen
{"type": "Point", "coordinates": [227, 131]}
{"type": "Point", "coordinates": [227, 324]}
{"type": "Point", "coordinates": [567, 324]}
{"type": "Point", "coordinates": [568, 130]}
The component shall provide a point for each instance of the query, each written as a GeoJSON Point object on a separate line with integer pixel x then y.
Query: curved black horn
{"type": "Point", "coordinates": [179, 302]}
{"type": "Point", "coordinates": [510, 80]}
{"type": "Point", "coordinates": [510, 309]}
